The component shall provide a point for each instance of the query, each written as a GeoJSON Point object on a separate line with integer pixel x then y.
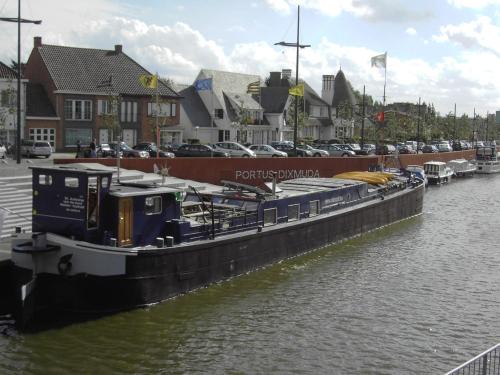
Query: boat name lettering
{"type": "Point", "coordinates": [281, 174]}
{"type": "Point", "coordinates": [73, 204]}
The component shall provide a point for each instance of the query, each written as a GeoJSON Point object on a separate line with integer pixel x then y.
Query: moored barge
{"type": "Point", "coordinates": [100, 247]}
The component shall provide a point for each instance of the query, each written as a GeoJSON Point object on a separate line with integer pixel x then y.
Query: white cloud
{"type": "Point", "coordinates": [372, 10]}
{"type": "Point", "coordinates": [480, 33]}
{"type": "Point", "coordinates": [411, 31]}
{"type": "Point", "coordinates": [279, 6]}
{"type": "Point", "coordinates": [475, 4]}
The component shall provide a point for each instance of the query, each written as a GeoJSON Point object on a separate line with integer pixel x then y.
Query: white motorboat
{"type": "Point", "coordinates": [437, 172]}
{"type": "Point", "coordinates": [462, 167]}
{"type": "Point", "coordinates": [487, 160]}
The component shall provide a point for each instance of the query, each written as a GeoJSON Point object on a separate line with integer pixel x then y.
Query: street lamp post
{"type": "Point", "coordinates": [296, 45]}
{"type": "Point", "coordinates": [19, 21]}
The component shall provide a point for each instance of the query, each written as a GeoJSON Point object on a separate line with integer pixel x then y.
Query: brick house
{"type": "Point", "coordinates": [72, 91]}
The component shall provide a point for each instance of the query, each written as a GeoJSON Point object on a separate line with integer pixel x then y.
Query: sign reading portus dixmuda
{"type": "Point", "coordinates": [281, 174]}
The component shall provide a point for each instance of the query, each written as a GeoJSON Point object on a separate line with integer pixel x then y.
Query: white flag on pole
{"type": "Point", "coordinates": [380, 61]}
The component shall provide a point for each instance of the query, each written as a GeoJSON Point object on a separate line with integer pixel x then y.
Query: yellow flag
{"type": "Point", "coordinates": [149, 81]}
{"type": "Point", "coordinates": [297, 90]}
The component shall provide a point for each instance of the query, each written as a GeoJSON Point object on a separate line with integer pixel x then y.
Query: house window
{"type": "Point", "coordinates": [164, 109]}
{"type": "Point", "coordinates": [72, 135]}
{"type": "Point", "coordinates": [78, 109]}
{"type": "Point", "coordinates": [224, 135]}
{"type": "Point", "coordinates": [219, 113]}
{"type": "Point", "coordinates": [313, 208]}
{"type": "Point", "coordinates": [9, 98]}
{"type": "Point", "coordinates": [128, 111]}
{"type": "Point", "coordinates": [269, 217]}
{"type": "Point", "coordinates": [106, 107]}
{"type": "Point", "coordinates": [152, 205]}
{"type": "Point", "coordinates": [43, 134]}
{"type": "Point", "coordinates": [293, 212]}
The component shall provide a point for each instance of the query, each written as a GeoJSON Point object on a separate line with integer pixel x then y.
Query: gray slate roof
{"type": "Point", "coordinates": [342, 92]}
{"type": "Point", "coordinates": [195, 111]}
{"type": "Point", "coordinates": [274, 99]}
{"type": "Point", "coordinates": [6, 72]}
{"type": "Point", "coordinates": [224, 83]}
{"type": "Point", "coordinates": [83, 69]}
{"type": "Point", "coordinates": [37, 102]}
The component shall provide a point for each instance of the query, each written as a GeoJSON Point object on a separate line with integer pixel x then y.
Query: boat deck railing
{"type": "Point", "coordinates": [486, 363]}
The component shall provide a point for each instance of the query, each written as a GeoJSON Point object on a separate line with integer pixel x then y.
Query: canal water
{"type": "Point", "coordinates": [417, 297]}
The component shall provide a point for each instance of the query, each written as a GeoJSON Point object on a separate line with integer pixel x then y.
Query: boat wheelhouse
{"type": "Point", "coordinates": [487, 160]}
{"type": "Point", "coordinates": [437, 172]}
{"type": "Point", "coordinates": [103, 247]}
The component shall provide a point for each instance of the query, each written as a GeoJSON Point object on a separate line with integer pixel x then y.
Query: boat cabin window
{"type": "Point", "coordinates": [45, 179]}
{"type": "Point", "coordinates": [269, 216]}
{"type": "Point", "coordinates": [293, 212]}
{"type": "Point", "coordinates": [105, 182]}
{"type": "Point", "coordinates": [93, 202]}
{"type": "Point", "coordinates": [152, 205]}
{"type": "Point", "coordinates": [71, 182]}
{"type": "Point", "coordinates": [313, 208]}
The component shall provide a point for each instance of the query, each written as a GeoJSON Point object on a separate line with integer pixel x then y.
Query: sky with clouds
{"type": "Point", "coordinates": [444, 51]}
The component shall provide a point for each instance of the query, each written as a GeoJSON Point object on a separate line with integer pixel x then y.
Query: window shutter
{"type": "Point", "coordinates": [134, 112]}
{"type": "Point", "coordinates": [100, 107]}
{"type": "Point", "coordinates": [123, 108]}
{"type": "Point", "coordinates": [174, 108]}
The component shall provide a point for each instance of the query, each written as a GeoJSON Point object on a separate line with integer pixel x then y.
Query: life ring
{"type": "Point", "coordinates": [64, 265]}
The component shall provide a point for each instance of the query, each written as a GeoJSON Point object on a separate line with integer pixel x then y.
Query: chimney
{"type": "Point", "coordinates": [37, 41]}
{"type": "Point", "coordinates": [327, 89]}
{"type": "Point", "coordinates": [274, 79]}
{"type": "Point", "coordinates": [118, 48]}
{"type": "Point", "coordinates": [286, 73]}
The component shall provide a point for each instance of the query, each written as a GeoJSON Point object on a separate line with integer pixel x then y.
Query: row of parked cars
{"type": "Point", "coordinates": [274, 149]}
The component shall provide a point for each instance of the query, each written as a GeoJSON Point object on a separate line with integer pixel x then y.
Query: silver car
{"type": "Point", "coordinates": [234, 149]}
{"type": "Point", "coordinates": [263, 151]}
{"type": "Point", "coordinates": [316, 152]}
{"type": "Point", "coordinates": [334, 150]}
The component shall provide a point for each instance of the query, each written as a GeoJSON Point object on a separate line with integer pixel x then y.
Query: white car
{"type": "Point", "coordinates": [263, 151]}
{"type": "Point", "coordinates": [3, 152]}
{"type": "Point", "coordinates": [234, 149]}
{"type": "Point", "coordinates": [30, 148]}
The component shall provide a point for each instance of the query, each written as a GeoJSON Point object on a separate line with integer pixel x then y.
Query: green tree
{"type": "Point", "coordinates": [241, 122]}
{"type": "Point", "coordinates": [301, 115]}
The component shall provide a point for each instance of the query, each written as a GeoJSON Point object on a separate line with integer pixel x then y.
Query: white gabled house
{"type": "Point", "coordinates": [8, 104]}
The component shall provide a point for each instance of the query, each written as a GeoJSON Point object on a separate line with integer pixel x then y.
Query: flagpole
{"type": "Point", "coordinates": [385, 76]}
{"type": "Point", "coordinates": [212, 112]}
{"type": "Point", "coordinates": [296, 119]}
{"type": "Point", "coordinates": [157, 114]}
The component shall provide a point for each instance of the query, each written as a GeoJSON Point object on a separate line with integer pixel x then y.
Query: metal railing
{"type": "Point", "coordinates": [486, 363]}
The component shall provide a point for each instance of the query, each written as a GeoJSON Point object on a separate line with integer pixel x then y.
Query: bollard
{"type": "Point", "coordinates": [112, 242]}
{"type": "Point", "coordinates": [170, 241]}
{"type": "Point", "coordinates": [160, 242]}
{"type": "Point", "coordinates": [39, 240]}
